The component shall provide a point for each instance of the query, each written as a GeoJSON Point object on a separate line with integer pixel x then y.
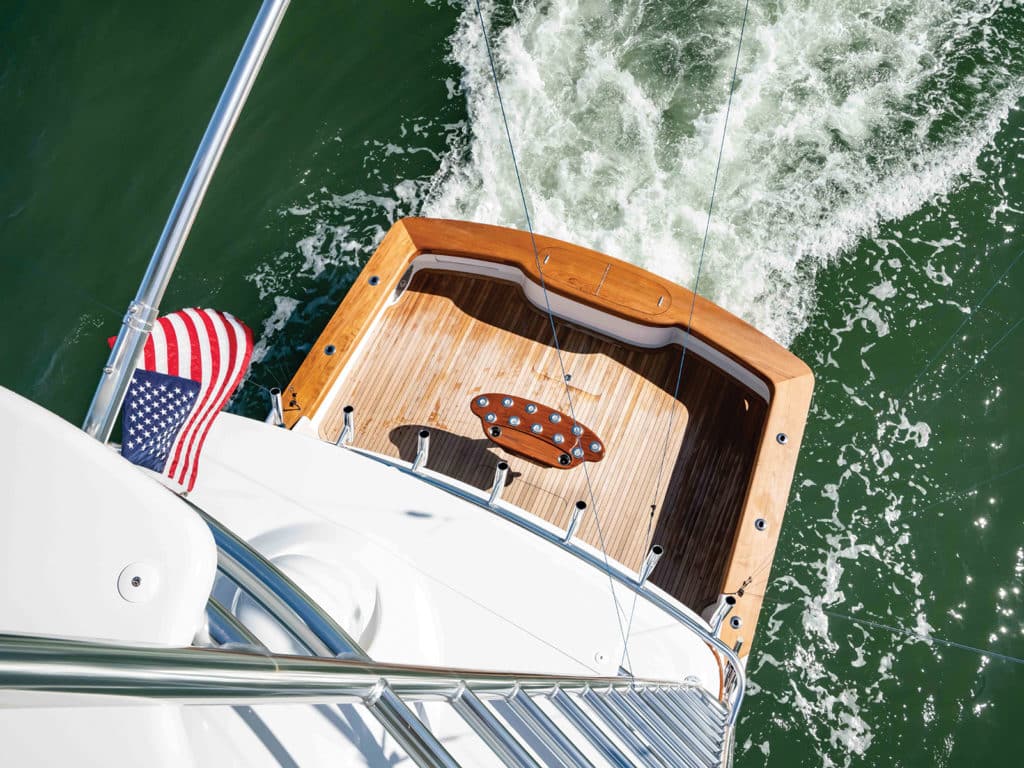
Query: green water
{"type": "Point", "coordinates": [871, 197]}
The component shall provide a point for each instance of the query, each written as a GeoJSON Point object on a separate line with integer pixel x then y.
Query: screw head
{"type": "Point", "coordinates": [491, 418]}
{"type": "Point", "coordinates": [374, 280]}
{"type": "Point", "coordinates": [139, 582]}
{"type": "Point", "coordinates": [536, 429]}
{"type": "Point", "coordinates": [329, 349]}
{"type": "Point", "coordinates": [513, 421]}
{"type": "Point", "coordinates": [482, 401]}
{"type": "Point", "coordinates": [507, 402]}
{"type": "Point", "coordinates": [531, 408]}
{"type": "Point", "coordinates": [782, 438]}
{"type": "Point", "coordinates": [595, 447]}
{"type": "Point", "coordinates": [577, 452]}
{"type": "Point", "coordinates": [554, 418]}
{"type": "Point", "coordinates": [735, 622]}
{"type": "Point", "coordinates": [761, 524]}
{"type": "Point", "coordinates": [577, 430]}
{"type": "Point", "coordinates": [559, 439]}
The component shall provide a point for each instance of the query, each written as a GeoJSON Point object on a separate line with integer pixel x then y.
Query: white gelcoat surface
{"type": "Point", "coordinates": [173, 735]}
{"type": "Point", "coordinates": [451, 583]}
{"type": "Point", "coordinates": [75, 515]}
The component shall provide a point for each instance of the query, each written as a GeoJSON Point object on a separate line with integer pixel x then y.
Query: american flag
{"type": "Point", "coordinates": [192, 363]}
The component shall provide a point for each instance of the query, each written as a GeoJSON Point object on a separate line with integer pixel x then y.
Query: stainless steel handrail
{"type": "Point", "coordinates": [225, 628]}
{"type": "Point", "coordinates": [281, 596]}
{"type": "Point", "coordinates": [218, 676]}
{"type": "Point", "coordinates": [731, 659]}
{"type": "Point", "coordinates": [313, 627]}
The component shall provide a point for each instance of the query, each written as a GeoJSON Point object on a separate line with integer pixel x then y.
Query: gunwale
{"type": "Point", "coordinates": [621, 290]}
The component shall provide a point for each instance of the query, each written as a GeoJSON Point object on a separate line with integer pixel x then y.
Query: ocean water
{"type": "Point", "coordinates": [869, 216]}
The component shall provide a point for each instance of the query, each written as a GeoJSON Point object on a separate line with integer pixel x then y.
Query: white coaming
{"type": "Point", "coordinates": [89, 546]}
{"type": "Point", "coordinates": [453, 584]}
{"type": "Point", "coordinates": [636, 334]}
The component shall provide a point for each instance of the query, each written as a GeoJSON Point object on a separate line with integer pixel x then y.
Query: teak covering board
{"type": "Point", "coordinates": [623, 290]}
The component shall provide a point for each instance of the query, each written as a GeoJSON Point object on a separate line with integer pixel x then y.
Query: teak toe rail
{"type": "Point", "coordinates": [620, 289]}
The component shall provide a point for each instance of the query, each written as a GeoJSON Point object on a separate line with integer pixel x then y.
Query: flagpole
{"type": "Point", "coordinates": [143, 311]}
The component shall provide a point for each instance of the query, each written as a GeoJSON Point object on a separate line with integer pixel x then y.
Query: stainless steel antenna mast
{"type": "Point", "coordinates": [143, 311]}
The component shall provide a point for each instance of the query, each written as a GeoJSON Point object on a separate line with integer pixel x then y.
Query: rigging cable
{"type": "Point", "coordinates": [917, 635]}
{"type": "Point", "coordinates": [962, 325]}
{"type": "Point", "coordinates": [924, 636]}
{"type": "Point", "coordinates": [971, 315]}
{"type": "Point", "coordinates": [693, 303]}
{"type": "Point", "coordinates": [551, 319]}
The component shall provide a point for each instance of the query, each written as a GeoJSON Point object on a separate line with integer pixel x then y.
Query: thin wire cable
{"type": "Point", "coordinates": [693, 299]}
{"type": "Point", "coordinates": [945, 345]}
{"type": "Point", "coordinates": [984, 356]}
{"type": "Point", "coordinates": [948, 498]}
{"type": "Point", "coordinates": [959, 328]}
{"type": "Point", "coordinates": [551, 317]}
{"type": "Point", "coordinates": [969, 489]}
{"type": "Point", "coordinates": [926, 637]}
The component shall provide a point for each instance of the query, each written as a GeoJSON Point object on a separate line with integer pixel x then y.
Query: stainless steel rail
{"type": "Point", "coordinates": [696, 625]}
{"type": "Point", "coordinates": [658, 722]}
{"type": "Point", "coordinates": [644, 715]}
{"type": "Point", "coordinates": [218, 676]}
{"type": "Point", "coordinates": [143, 311]}
{"type": "Point", "coordinates": [320, 634]}
{"type": "Point", "coordinates": [224, 628]}
{"type": "Point", "coordinates": [278, 594]}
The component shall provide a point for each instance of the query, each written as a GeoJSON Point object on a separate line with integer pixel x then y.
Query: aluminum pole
{"type": "Point", "coordinates": [143, 311]}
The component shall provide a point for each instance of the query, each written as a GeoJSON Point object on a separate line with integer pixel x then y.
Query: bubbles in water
{"type": "Point", "coordinates": [840, 120]}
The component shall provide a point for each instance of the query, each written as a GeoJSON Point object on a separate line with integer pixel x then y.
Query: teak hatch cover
{"type": "Point", "coordinates": [536, 431]}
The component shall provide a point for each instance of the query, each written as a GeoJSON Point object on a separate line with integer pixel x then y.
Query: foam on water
{"type": "Point", "coordinates": [837, 124]}
{"type": "Point", "coordinates": [848, 116]}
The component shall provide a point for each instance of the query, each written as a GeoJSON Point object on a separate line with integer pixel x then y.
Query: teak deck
{"type": "Point", "coordinates": [452, 336]}
{"type": "Point", "coordinates": [480, 335]}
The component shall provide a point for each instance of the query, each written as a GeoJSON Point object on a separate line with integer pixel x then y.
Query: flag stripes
{"type": "Point", "coordinates": [209, 347]}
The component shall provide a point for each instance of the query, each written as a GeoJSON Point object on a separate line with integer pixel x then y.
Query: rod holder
{"type": "Point", "coordinates": [348, 430]}
{"type": "Point", "coordinates": [725, 605]}
{"type": "Point", "coordinates": [574, 521]}
{"type": "Point", "coordinates": [422, 449]}
{"type": "Point", "coordinates": [277, 409]}
{"type": "Point", "coordinates": [650, 561]}
{"type": "Point", "coordinates": [500, 473]}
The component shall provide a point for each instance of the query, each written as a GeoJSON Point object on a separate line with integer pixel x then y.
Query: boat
{"type": "Point", "coordinates": [517, 506]}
